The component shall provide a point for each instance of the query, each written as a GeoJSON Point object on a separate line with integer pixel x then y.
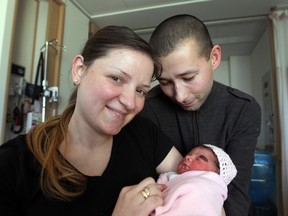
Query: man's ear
{"type": "Point", "coordinates": [78, 69]}
{"type": "Point", "coordinates": [215, 56]}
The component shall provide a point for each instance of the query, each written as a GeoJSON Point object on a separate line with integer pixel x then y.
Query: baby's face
{"type": "Point", "coordinates": [198, 159]}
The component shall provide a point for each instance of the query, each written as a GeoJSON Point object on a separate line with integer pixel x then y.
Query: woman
{"type": "Point", "coordinates": [97, 158]}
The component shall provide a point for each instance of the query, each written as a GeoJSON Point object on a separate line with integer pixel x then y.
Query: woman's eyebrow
{"type": "Point", "coordinates": [122, 72]}
{"type": "Point", "coordinates": [129, 77]}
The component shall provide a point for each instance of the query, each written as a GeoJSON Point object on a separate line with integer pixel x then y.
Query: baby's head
{"type": "Point", "coordinates": [209, 158]}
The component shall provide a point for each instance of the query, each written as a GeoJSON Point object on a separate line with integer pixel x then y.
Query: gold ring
{"type": "Point", "coordinates": [145, 193]}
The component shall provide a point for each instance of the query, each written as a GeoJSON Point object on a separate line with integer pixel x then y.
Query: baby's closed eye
{"type": "Point", "coordinates": [202, 157]}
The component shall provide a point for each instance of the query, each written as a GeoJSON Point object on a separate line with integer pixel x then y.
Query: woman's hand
{"type": "Point", "coordinates": [139, 199]}
{"type": "Point", "coordinates": [223, 212]}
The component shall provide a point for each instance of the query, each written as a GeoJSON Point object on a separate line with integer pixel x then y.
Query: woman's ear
{"type": "Point", "coordinates": [78, 69]}
{"type": "Point", "coordinates": [215, 56]}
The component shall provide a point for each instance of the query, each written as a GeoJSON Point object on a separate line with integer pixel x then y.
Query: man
{"type": "Point", "coordinates": [192, 108]}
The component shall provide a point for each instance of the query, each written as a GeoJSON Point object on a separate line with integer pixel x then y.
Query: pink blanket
{"type": "Point", "coordinates": [194, 193]}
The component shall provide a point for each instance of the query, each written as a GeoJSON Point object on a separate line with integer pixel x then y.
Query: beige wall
{"type": "Point", "coordinates": [74, 42]}
{"type": "Point", "coordinates": [24, 49]}
{"type": "Point", "coordinates": [24, 36]}
{"type": "Point", "coordinates": [7, 8]}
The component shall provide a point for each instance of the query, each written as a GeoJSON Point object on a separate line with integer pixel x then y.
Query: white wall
{"type": "Point", "coordinates": [236, 73]}
{"type": "Point", "coordinates": [240, 73]}
{"type": "Point", "coordinates": [246, 73]}
{"type": "Point", "coordinates": [222, 73]}
{"type": "Point", "coordinates": [260, 66]}
{"type": "Point", "coordinates": [7, 9]}
{"type": "Point", "coordinates": [74, 40]}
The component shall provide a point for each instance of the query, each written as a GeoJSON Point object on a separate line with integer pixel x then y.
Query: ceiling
{"type": "Point", "coordinates": [236, 25]}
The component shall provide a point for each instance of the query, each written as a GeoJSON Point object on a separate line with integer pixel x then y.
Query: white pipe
{"type": "Point", "coordinates": [211, 23]}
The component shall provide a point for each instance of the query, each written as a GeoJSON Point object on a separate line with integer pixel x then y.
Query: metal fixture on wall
{"type": "Point", "coordinates": [52, 92]}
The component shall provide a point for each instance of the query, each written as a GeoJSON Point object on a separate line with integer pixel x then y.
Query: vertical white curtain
{"type": "Point", "coordinates": [280, 29]}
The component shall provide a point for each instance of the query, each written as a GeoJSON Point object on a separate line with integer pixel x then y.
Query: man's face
{"type": "Point", "coordinates": [187, 78]}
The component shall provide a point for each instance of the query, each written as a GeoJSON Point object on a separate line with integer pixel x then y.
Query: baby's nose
{"type": "Point", "coordinates": [188, 158]}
